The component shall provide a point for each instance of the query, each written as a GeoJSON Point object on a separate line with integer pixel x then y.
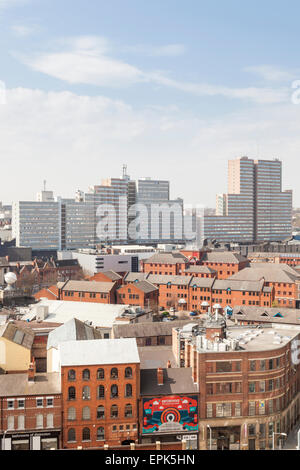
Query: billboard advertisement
{"type": "Point", "coordinates": [173, 414]}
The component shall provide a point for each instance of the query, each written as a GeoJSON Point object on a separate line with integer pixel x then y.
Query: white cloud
{"type": "Point", "coordinates": [75, 141]}
{"type": "Point", "coordinates": [272, 73]}
{"type": "Point", "coordinates": [11, 3]}
{"type": "Point", "coordinates": [87, 60]}
{"type": "Point", "coordinates": [24, 30]}
{"type": "Point", "coordinates": [169, 50]}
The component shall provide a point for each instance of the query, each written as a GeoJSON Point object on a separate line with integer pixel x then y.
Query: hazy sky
{"type": "Point", "coordinates": [172, 88]}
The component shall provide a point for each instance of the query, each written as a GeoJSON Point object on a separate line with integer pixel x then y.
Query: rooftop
{"type": "Point", "coordinates": [271, 272]}
{"type": "Point", "coordinates": [176, 382]}
{"type": "Point", "coordinates": [167, 258]}
{"type": "Point", "coordinates": [86, 286]}
{"type": "Point", "coordinates": [72, 330]}
{"type": "Point", "coordinates": [99, 352]}
{"type": "Point", "coordinates": [17, 385]}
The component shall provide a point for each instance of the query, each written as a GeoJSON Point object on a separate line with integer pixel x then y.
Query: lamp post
{"type": "Point", "coordinates": [210, 437]}
{"type": "Point", "coordinates": [3, 439]}
{"type": "Point", "coordinates": [277, 434]}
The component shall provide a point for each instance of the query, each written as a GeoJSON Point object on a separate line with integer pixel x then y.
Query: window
{"type": "Point", "coordinates": [251, 387]}
{"type": "Point", "coordinates": [71, 435]}
{"type": "Point", "coordinates": [86, 374]}
{"type": "Point", "coordinates": [50, 421]}
{"type": "Point", "coordinates": [114, 392]}
{"type": "Point", "coordinates": [114, 373]}
{"type": "Point", "coordinates": [262, 365]}
{"type": "Point", "coordinates": [100, 374]}
{"type": "Point", "coordinates": [21, 403]}
{"type": "Point", "coordinates": [86, 434]}
{"type": "Point", "coordinates": [86, 412]}
{"type": "Point", "coordinates": [39, 421]}
{"type": "Point", "coordinates": [100, 392]}
{"type": "Point", "coordinates": [271, 385]}
{"type": "Point", "coordinates": [100, 434]}
{"type": "Point", "coordinates": [262, 386]}
{"type": "Point", "coordinates": [71, 414]}
{"type": "Point", "coordinates": [252, 408]}
{"type": "Point", "coordinates": [10, 404]}
{"type": "Point", "coordinates": [128, 372]}
{"type": "Point", "coordinates": [223, 367]}
{"type": "Point", "coordinates": [100, 412]}
{"type": "Point", "coordinates": [251, 429]}
{"type": "Point", "coordinates": [71, 375]}
{"type": "Point", "coordinates": [86, 393]}
{"type": "Point", "coordinates": [252, 366]}
{"type": "Point", "coordinates": [209, 410]}
{"type": "Point", "coordinates": [237, 409]}
{"type": "Point", "coordinates": [71, 393]}
{"type": "Point", "coordinates": [21, 422]}
{"type": "Point", "coordinates": [128, 390]}
{"type": "Point", "coordinates": [11, 422]}
{"type": "Point", "coordinates": [49, 402]}
{"type": "Point", "coordinates": [128, 411]}
{"type": "Point", "coordinates": [39, 403]}
{"type": "Point", "coordinates": [114, 411]}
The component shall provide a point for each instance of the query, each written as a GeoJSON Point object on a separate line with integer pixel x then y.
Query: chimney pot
{"type": "Point", "coordinates": [31, 371]}
{"type": "Point", "coordinates": [160, 376]}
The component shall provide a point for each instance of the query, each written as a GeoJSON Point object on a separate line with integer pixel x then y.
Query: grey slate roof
{"type": "Point", "coordinates": [175, 280]}
{"type": "Point", "coordinates": [199, 269]}
{"type": "Point", "coordinates": [18, 335]}
{"type": "Point", "coordinates": [267, 314]}
{"type": "Point", "coordinates": [167, 258]}
{"type": "Point", "coordinates": [133, 277]}
{"type": "Point", "coordinates": [223, 257]}
{"type": "Point", "coordinates": [271, 272]}
{"type": "Point", "coordinates": [86, 286]}
{"type": "Point", "coordinates": [176, 381]}
{"type": "Point", "coordinates": [150, 329]}
{"type": "Point", "coordinates": [146, 287]}
{"type": "Point", "coordinates": [17, 385]}
{"type": "Point", "coordinates": [112, 275]}
{"type": "Point", "coordinates": [72, 330]}
{"type": "Point", "coordinates": [237, 285]}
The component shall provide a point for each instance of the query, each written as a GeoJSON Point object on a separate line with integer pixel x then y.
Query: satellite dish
{"type": "Point", "coordinates": [10, 279]}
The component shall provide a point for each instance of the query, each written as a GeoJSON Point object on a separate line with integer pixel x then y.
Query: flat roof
{"type": "Point", "coordinates": [103, 351]}
{"type": "Point", "coordinates": [17, 385]}
{"type": "Point", "coordinates": [61, 311]}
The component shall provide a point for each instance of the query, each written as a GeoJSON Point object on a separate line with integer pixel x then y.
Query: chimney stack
{"type": "Point", "coordinates": [169, 365]}
{"type": "Point", "coordinates": [31, 371]}
{"type": "Point", "coordinates": [160, 376]}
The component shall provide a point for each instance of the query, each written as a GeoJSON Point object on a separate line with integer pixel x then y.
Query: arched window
{"type": "Point", "coordinates": [100, 412]}
{"type": "Point", "coordinates": [71, 374]}
{"type": "Point", "coordinates": [86, 434]}
{"type": "Point", "coordinates": [100, 434]}
{"type": "Point", "coordinates": [86, 393]}
{"type": "Point", "coordinates": [114, 373]}
{"type": "Point", "coordinates": [72, 393]}
{"type": "Point", "coordinates": [114, 411]}
{"type": "Point", "coordinates": [71, 435]}
{"type": "Point", "coordinates": [128, 390]}
{"type": "Point", "coordinates": [86, 374]}
{"type": "Point", "coordinates": [114, 392]}
{"type": "Point", "coordinates": [71, 414]}
{"type": "Point", "coordinates": [86, 412]}
{"type": "Point", "coordinates": [100, 374]}
{"type": "Point", "coordinates": [128, 372]}
{"type": "Point", "coordinates": [100, 392]}
{"type": "Point", "coordinates": [128, 411]}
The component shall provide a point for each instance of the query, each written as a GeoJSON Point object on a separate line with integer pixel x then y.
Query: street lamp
{"type": "Point", "coordinates": [3, 439]}
{"type": "Point", "coordinates": [209, 435]}
{"type": "Point", "coordinates": [277, 434]}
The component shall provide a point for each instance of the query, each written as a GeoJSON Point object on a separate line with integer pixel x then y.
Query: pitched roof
{"type": "Point", "coordinates": [223, 257]}
{"type": "Point", "coordinates": [145, 287]}
{"type": "Point", "coordinates": [267, 314]}
{"type": "Point", "coordinates": [133, 277]}
{"type": "Point", "coordinates": [175, 280]}
{"type": "Point", "coordinates": [150, 329]}
{"type": "Point", "coordinates": [200, 269]}
{"type": "Point", "coordinates": [271, 272]}
{"type": "Point", "coordinates": [18, 335]}
{"type": "Point", "coordinates": [87, 286]}
{"type": "Point", "coordinates": [72, 330]}
{"type": "Point", "coordinates": [109, 274]}
{"type": "Point", "coordinates": [17, 385]}
{"type": "Point", "coordinates": [167, 258]}
{"type": "Point", "coordinates": [237, 285]}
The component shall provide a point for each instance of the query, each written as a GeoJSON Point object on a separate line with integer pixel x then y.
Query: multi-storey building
{"type": "Point", "coordinates": [255, 208]}
{"type": "Point", "coordinates": [100, 382]}
{"type": "Point", "coordinates": [248, 382]}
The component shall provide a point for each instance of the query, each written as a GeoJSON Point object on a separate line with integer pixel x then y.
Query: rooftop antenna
{"type": "Point", "coordinates": [124, 171]}
{"type": "Point", "coordinates": [45, 182]}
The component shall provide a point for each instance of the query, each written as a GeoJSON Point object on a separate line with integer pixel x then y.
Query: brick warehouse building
{"type": "Point", "coordinates": [248, 384]}
{"type": "Point", "coordinates": [87, 291]}
{"type": "Point", "coordinates": [100, 382]}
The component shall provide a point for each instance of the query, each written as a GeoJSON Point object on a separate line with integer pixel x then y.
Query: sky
{"type": "Point", "coordinates": [171, 88]}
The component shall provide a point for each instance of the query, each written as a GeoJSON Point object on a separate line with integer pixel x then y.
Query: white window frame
{"type": "Point", "coordinates": [21, 407]}
{"type": "Point", "coordinates": [11, 400]}
{"type": "Point", "coordinates": [49, 398]}
{"type": "Point", "coordinates": [40, 398]}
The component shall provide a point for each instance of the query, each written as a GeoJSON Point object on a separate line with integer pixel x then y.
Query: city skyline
{"type": "Point", "coordinates": [97, 88]}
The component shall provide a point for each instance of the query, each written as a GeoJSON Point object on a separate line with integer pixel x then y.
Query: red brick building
{"type": "Point", "coordinates": [143, 294]}
{"type": "Point", "coordinates": [165, 264]}
{"type": "Point", "coordinates": [226, 263]}
{"type": "Point", "coordinates": [100, 382]}
{"type": "Point", "coordinates": [88, 291]}
{"type": "Point", "coordinates": [30, 411]}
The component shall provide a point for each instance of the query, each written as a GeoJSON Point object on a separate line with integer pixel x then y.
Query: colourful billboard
{"type": "Point", "coordinates": [172, 414]}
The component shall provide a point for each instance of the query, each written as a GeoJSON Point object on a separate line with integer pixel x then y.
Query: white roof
{"type": "Point", "coordinates": [61, 311]}
{"type": "Point", "coordinates": [99, 352]}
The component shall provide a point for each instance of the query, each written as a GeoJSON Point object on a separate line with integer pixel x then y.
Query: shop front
{"type": "Point", "coordinates": [34, 441]}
